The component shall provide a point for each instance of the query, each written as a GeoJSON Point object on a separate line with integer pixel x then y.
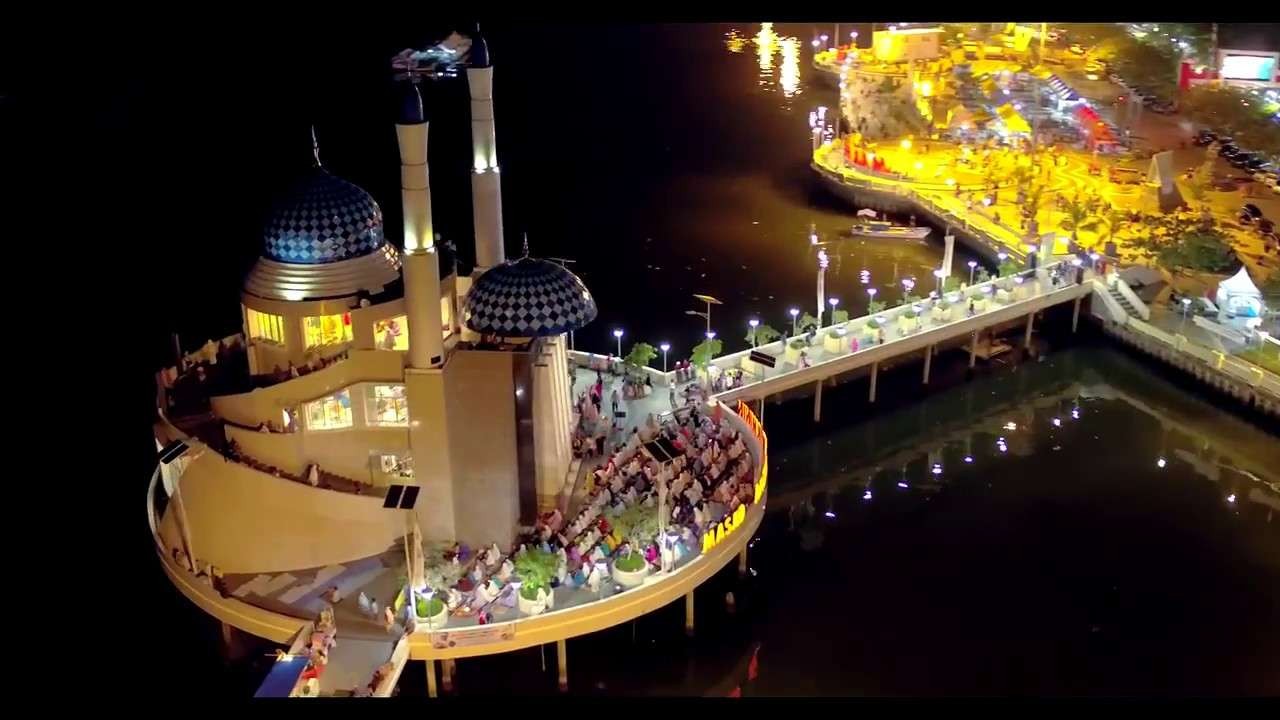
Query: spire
{"type": "Point", "coordinates": [315, 148]}
{"type": "Point", "coordinates": [526, 244]}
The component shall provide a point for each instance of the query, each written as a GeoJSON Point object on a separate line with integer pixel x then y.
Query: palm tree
{"type": "Point", "coordinates": [1112, 219]}
{"type": "Point", "coordinates": [1077, 211]}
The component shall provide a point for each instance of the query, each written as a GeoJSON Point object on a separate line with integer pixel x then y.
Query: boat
{"type": "Point", "coordinates": [881, 229]}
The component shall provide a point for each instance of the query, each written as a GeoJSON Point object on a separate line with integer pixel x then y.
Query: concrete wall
{"type": "Point", "coordinates": [245, 521]}
{"type": "Point", "coordinates": [480, 399]}
{"type": "Point", "coordinates": [430, 434]}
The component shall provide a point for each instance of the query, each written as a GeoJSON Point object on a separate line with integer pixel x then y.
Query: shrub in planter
{"type": "Point", "coordinates": [535, 567]}
{"type": "Point", "coordinates": [630, 568]}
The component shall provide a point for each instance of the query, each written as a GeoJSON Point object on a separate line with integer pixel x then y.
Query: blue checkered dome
{"type": "Point", "coordinates": [323, 219]}
{"type": "Point", "coordinates": [528, 298]}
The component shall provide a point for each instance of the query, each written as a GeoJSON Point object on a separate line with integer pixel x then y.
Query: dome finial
{"type": "Point", "coordinates": [526, 244]}
{"type": "Point", "coordinates": [315, 147]}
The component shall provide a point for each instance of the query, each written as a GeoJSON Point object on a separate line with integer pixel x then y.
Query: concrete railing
{"type": "Point", "coordinates": [1235, 368]}
{"type": "Point", "coordinates": [1127, 292]}
{"type": "Point", "coordinates": [890, 315]}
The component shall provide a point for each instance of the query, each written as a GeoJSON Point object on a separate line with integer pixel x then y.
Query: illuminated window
{"type": "Point", "coordinates": [446, 317]}
{"type": "Point", "coordinates": [327, 330]}
{"type": "Point", "coordinates": [331, 412]}
{"type": "Point", "coordinates": [391, 334]}
{"type": "Point", "coordinates": [386, 405]}
{"type": "Point", "coordinates": [265, 326]}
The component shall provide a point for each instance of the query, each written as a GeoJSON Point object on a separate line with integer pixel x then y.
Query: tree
{"type": "Point", "coordinates": [839, 316]}
{"type": "Point", "coordinates": [704, 352]}
{"type": "Point", "coordinates": [641, 354]}
{"type": "Point", "coordinates": [1107, 224]}
{"type": "Point", "coordinates": [1077, 211]}
{"type": "Point", "coordinates": [1203, 250]}
{"type": "Point", "coordinates": [1007, 268]}
{"type": "Point", "coordinates": [808, 322]}
{"type": "Point", "coordinates": [875, 306]}
{"type": "Point", "coordinates": [762, 335]}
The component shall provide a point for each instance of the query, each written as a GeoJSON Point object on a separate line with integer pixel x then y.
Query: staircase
{"type": "Point", "coordinates": [1122, 301]}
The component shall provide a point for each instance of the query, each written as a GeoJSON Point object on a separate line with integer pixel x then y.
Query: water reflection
{"type": "Point", "coordinates": [782, 73]}
{"type": "Point", "coordinates": [970, 435]}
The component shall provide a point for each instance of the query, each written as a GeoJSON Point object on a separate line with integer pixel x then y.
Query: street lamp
{"type": "Point", "coordinates": [834, 302]}
{"type": "Point", "coordinates": [937, 285]}
{"type": "Point", "coordinates": [872, 293]}
{"type": "Point", "coordinates": [711, 334]}
{"type": "Point", "coordinates": [1003, 256]}
{"type": "Point", "coordinates": [617, 335]}
{"type": "Point", "coordinates": [823, 261]}
{"type": "Point", "coordinates": [972, 264]}
{"type": "Point", "coordinates": [664, 347]}
{"type": "Point", "coordinates": [1186, 305]}
{"type": "Point", "coordinates": [795, 312]}
{"type": "Point", "coordinates": [705, 315]}
{"type": "Point", "coordinates": [754, 323]}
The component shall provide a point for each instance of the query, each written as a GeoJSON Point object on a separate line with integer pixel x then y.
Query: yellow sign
{"type": "Point", "coordinates": [723, 529]}
{"type": "Point", "coordinates": [715, 535]}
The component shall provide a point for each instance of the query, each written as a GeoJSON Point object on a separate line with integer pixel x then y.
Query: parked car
{"type": "Point", "coordinates": [1239, 159]}
{"type": "Point", "coordinates": [1252, 210]}
{"type": "Point", "coordinates": [1227, 150]}
{"type": "Point", "coordinates": [1076, 49]}
{"type": "Point", "coordinates": [1204, 138]}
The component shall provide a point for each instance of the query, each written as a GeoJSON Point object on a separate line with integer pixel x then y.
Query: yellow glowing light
{"type": "Point", "coordinates": [951, 181]}
{"type": "Point", "coordinates": [919, 165]}
{"type": "Point", "coordinates": [789, 73]}
{"type": "Point", "coordinates": [905, 144]}
{"type": "Point", "coordinates": [926, 88]}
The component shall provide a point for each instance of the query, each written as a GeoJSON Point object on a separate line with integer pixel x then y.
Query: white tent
{"type": "Point", "coordinates": [1239, 297]}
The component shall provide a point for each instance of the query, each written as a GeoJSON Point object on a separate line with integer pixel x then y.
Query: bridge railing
{"type": "Point", "coordinates": [989, 291]}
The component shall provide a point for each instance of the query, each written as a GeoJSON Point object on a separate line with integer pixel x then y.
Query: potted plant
{"type": "Point", "coordinates": [431, 610]}
{"type": "Point", "coordinates": [535, 567]}
{"type": "Point", "coordinates": [794, 347]}
{"type": "Point", "coordinates": [834, 340]}
{"type": "Point", "coordinates": [941, 311]}
{"type": "Point", "coordinates": [908, 320]}
{"type": "Point", "coordinates": [639, 525]}
{"type": "Point", "coordinates": [870, 330]}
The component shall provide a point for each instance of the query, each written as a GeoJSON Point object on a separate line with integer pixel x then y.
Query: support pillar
{"type": "Point", "coordinates": [688, 613]}
{"type": "Point", "coordinates": [1026, 338]}
{"type": "Point", "coordinates": [227, 636]}
{"type": "Point", "coordinates": [431, 679]}
{"type": "Point", "coordinates": [1075, 313]}
{"type": "Point", "coordinates": [817, 401]}
{"type": "Point", "coordinates": [875, 370]}
{"type": "Point", "coordinates": [562, 664]}
{"type": "Point", "coordinates": [446, 675]}
{"type": "Point", "coordinates": [973, 348]}
{"type": "Point", "coordinates": [742, 562]}
{"type": "Point", "coordinates": [928, 359]}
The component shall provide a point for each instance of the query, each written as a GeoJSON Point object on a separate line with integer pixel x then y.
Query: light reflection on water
{"type": "Point", "coordinates": [785, 77]}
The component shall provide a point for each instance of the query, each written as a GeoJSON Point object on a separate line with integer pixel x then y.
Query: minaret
{"type": "Point", "coordinates": [420, 261]}
{"type": "Point", "coordinates": [486, 193]}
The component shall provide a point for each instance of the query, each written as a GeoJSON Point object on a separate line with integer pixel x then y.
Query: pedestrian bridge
{"type": "Point", "coordinates": [906, 329]}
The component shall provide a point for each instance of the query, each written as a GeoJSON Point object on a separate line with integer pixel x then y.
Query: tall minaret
{"type": "Point", "coordinates": [421, 262]}
{"type": "Point", "coordinates": [486, 193]}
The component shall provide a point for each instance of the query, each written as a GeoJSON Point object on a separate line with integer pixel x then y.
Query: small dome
{"type": "Point", "coordinates": [323, 219]}
{"type": "Point", "coordinates": [528, 298]}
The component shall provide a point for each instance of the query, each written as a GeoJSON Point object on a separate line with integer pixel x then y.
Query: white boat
{"type": "Point", "coordinates": [880, 229]}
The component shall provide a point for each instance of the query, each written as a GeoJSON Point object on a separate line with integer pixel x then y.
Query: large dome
{"type": "Point", "coordinates": [528, 298]}
{"type": "Point", "coordinates": [324, 219]}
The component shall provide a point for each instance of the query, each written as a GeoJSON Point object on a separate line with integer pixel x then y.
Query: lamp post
{"type": "Point", "coordinates": [754, 323]}
{"type": "Point", "coordinates": [664, 347]}
{"type": "Point", "coordinates": [823, 261]}
{"type": "Point", "coordinates": [795, 312]}
{"type": "Point", "coordinates": [705, 315]}
{"type": "Point", "coordinates": [834, 302]}
{"type": "Point", "coordinates": [871, 292]}
{"type": "Point", "coordinates": [1186, 305]}
{"type": "Point", "coordinates": [937, 281]}
{"type": "Point", "coordinates": [617, 335]}
{"type": "Point", "coordinates": [972, 265]}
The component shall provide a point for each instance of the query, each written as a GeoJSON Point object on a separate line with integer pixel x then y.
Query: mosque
{"type": "Point", "coordinates": [471, 406]}
{"type": "Point", "coordinates": [371, 402]}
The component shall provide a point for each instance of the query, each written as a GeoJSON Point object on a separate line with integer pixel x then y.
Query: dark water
{"type": "Point", "coordinates": [1069, 564]}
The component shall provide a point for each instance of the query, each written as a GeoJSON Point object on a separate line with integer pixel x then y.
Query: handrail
{"type": "Point", "coordinates": [1139, 306]}
{"type": "Point", "coordinates": [891, 314]}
